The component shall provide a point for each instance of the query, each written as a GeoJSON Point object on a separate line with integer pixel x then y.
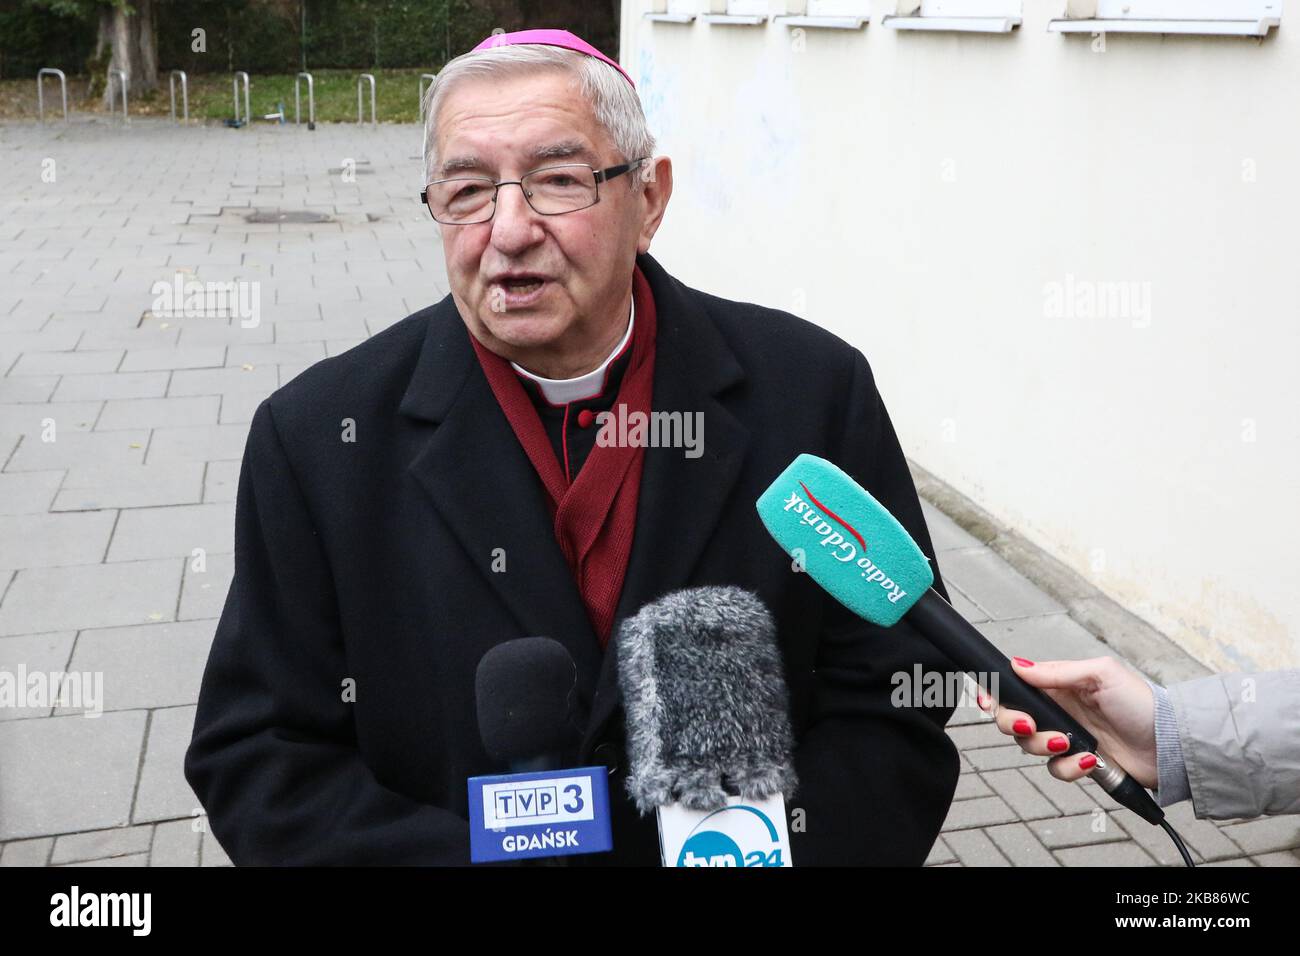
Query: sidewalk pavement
{"type": "Point", "coordinates": [121, 432]}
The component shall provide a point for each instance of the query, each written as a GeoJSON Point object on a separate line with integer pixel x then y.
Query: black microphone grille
{"type": "Point", "coordinates": [525, 693]}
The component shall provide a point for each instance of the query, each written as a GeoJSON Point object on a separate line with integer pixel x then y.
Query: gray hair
{"type": "Point", "coordinates": [614, 102]}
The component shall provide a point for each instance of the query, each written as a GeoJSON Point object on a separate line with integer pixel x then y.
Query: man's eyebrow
{"type": "Point", "coordinates": [565, 149]}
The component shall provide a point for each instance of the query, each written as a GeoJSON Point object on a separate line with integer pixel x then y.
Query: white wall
{"type": "Point", "coordinates": [922, 195]}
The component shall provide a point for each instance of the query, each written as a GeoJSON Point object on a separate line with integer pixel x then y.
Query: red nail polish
{"type": "Point", "coordinates": [1057, 744]}
{"type": "Point", "coordinates": [1087, 762]}
{"type": "Point", "coordinates": [979, 701]}
{"type": "Point", "coordinates": [1022, 727]}
{"type": "Point", "coordinates": [1022, 662]}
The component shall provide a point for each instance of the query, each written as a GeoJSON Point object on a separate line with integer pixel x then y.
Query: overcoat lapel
{"type": "Point", "coordinates": [480, 480]}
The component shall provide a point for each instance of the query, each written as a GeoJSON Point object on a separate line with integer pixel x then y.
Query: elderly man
{"type": "Point", "coordinates": [444, 487]}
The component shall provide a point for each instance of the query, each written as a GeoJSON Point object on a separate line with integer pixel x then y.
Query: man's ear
{"type": "Point", "coordinates": [657, 187]}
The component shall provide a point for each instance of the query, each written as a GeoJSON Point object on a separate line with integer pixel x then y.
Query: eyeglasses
{"type": "Point", "coordinates": [550, 191]}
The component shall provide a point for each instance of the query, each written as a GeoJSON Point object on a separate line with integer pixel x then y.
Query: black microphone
{"type": "Point", "coordinates": [526, 695]}
{"type": "Point", "coordinates": [705, 699]}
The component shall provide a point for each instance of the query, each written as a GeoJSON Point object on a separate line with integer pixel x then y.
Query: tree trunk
{"type": "Point", "coordinates": [134, 49]}
{"type": "Point", "coordinates": [119, 40]}
{"type": "Point", "coordinates": [146, 78]}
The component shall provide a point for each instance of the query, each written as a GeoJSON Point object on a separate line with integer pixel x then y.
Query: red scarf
{"type": "Point", "coordinates": [595, 516]}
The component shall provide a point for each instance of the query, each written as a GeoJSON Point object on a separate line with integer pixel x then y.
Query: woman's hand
{"type": "Point", "coordinates": [1110, 700]}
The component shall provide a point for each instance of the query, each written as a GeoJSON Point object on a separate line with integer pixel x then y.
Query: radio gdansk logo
{"type": "Point", "coordinates": [841, 549]}
{"type": "Point", "coordinates": [718, 843]}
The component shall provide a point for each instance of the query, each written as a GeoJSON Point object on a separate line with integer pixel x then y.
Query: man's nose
{"type": "Point", "coordinates": [514, 223]}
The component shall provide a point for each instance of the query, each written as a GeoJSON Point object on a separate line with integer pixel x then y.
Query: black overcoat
{"type": "Point", "coordinates": [336, 722]}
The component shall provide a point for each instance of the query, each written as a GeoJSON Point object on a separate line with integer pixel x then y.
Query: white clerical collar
{"type": "Point", "coordinates": [561, 391]}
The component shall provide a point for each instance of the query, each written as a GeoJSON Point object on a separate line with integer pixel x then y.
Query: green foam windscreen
{"type": "Point", "coordinates": [846, 540]}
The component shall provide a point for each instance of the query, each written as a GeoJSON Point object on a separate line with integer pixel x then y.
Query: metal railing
{"type": "Point", "coordinates": [248, 115]}
{"type": "Point", "coordinates": [432, 78]}
{"type": "Point", "coordinates": [121, 82]}
{"type": "Point", "coordinates": [311, 101]}
{"type": "Point", "coordinates": [360, 114]}
{"type": "Point", "coordinates": [40, 91]}
{"type": "Point", "coordinates": [185, 93]}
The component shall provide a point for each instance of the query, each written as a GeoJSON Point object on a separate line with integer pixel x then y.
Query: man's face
{"type": "Point", "coordinates": [585, 257]}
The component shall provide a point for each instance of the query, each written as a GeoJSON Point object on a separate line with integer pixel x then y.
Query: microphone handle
{"type": "Point", "coordinates": [941, 624]}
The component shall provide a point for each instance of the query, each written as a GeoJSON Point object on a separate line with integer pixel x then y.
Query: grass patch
{"type": "Point", "coordinates": [211, 97]}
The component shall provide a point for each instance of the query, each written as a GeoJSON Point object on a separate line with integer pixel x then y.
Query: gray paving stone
{"type": "Point", "coordinates": [1080, 830]}
{"type": "Point", "coordinates": [92, 487]}
{"type": "Point", "coordinates": [175, 843]}
{"type": "Point", "coordinates": [189, 357]}
{"type": "Point", "coordinates": [101, 844]}
{"type": "Point", "coordinates": [135, 859]}
{"type": "Point", "coordinates": [967, 608]}
{"type": "Point", "coordinates": [238, 407]}
{"type": "Point", "coordinates": [1019, 845]}
{"type": "Point", "coordinates": [212, 852]}
{"type": "Point", "coordinates": [1000, 758]}
{"type": "Point", "coordinates": [92, 595]}
{"type": "Point", "coordinates": [35, 420]}
{"type": "Point", "coordinates": [27, 388]}
{"type": "Point", "coordinates": [1266, 834]}
{"type": "Point", "coordinates": [275, 354]}
{"type": "Point", "coordinates": [146, 666]}
{"type": "Point", "coordinates": [1070, 798]}
{"type": "Point", "coordinates": [219, 381]}
{"type": "Point", "coordinates": [946, 534]}
{"type": "Point", "coordinates": [1105, 855]}
{"type": "Point", "coordinates": [159, 412]}
{"type": "Point", "coordinates": [54, 540]}
{"type": "Point", "coordinates": [970, 785]}
{"type": "Point", "coordinates": [1022, 796]}
{"type": "Point", "coordinates": [1048, 638]}
{"type": "Point", "coordinates": [995, 586]}
{"type": "Point", "coordinates": [163, 793]}
{"type": "Point", "coordinates": [939, 853]}
{"type": "Point", "coordinates": [26, 852]}
{"type": "Point", "coordinates": [203, 593]}
{"type": "Point", "coordinates": [221, 480]}
{"type": "Point", "coordinates": [978, 812]}
{"type": "Point", "coordinates": [107, 385]}
{"type": "Point", "coordinates": [64, 774]}
{"type": "Point", "coordinates": [45, 363]}
{"type": "Point", "coordinates": [26, 493]}
{"type": "Point", "coordinates": [974, 848]}
{"type": "Point", "coordinates": [27, 654]}
{"type": "Point", "coordinates": [198, 443]}
{"type": "Point", "coordinates": [1280, 858]}
{"type": "Point", "coordinates": [173, 531]}
{"type": "Point", "coordinates": [74, 448]}
{"type": "Point", "coordinates": [974, 736]}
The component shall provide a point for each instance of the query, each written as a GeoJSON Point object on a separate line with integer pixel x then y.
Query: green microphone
{"type": "Point", "coordinates": [856, 550]}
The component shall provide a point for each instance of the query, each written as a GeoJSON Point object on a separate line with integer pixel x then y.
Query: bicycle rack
{"type": "Point", "coordinates": [40, 91]}
{"type": "Point", "coordinates": [432, 78]}
{"type": "Point", "coordinates": [121, 81]}
{"type": "Point", "coordinates": [360, 114]}
{"type": "Point", "coordinates": [248, 114]}
{"type": "Point", "coordinates": [185, 93]}
{"type": "Point", "coordinates": [311, 101]}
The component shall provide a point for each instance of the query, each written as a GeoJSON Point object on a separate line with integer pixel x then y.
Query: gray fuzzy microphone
{"type": "Point", "coordinates": [706, 702]}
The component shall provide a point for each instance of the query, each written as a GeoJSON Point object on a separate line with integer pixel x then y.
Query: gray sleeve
{"type": "Point", "coordinates": [1240, 741]}
{"type": "Point", "coordinates": [1172, 786]}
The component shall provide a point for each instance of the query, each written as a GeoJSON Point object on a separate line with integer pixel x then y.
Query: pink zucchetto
{"type": "Point", "coordinates": [562, 38]}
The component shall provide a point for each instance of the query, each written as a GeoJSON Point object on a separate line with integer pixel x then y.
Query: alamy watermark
{"type": "Point", "coordinates": [192, 299]}
{"type": "Point", "coordinates": [621, 428]}
{"type": "Point", "coordinates": [82, 691]}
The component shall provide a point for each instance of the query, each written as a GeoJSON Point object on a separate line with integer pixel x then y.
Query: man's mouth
{"type": "Point", "coordinates": [522, 286]}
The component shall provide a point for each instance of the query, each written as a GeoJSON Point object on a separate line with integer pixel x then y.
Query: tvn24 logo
{"type": "Point", "coordinates": [738, 835]}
